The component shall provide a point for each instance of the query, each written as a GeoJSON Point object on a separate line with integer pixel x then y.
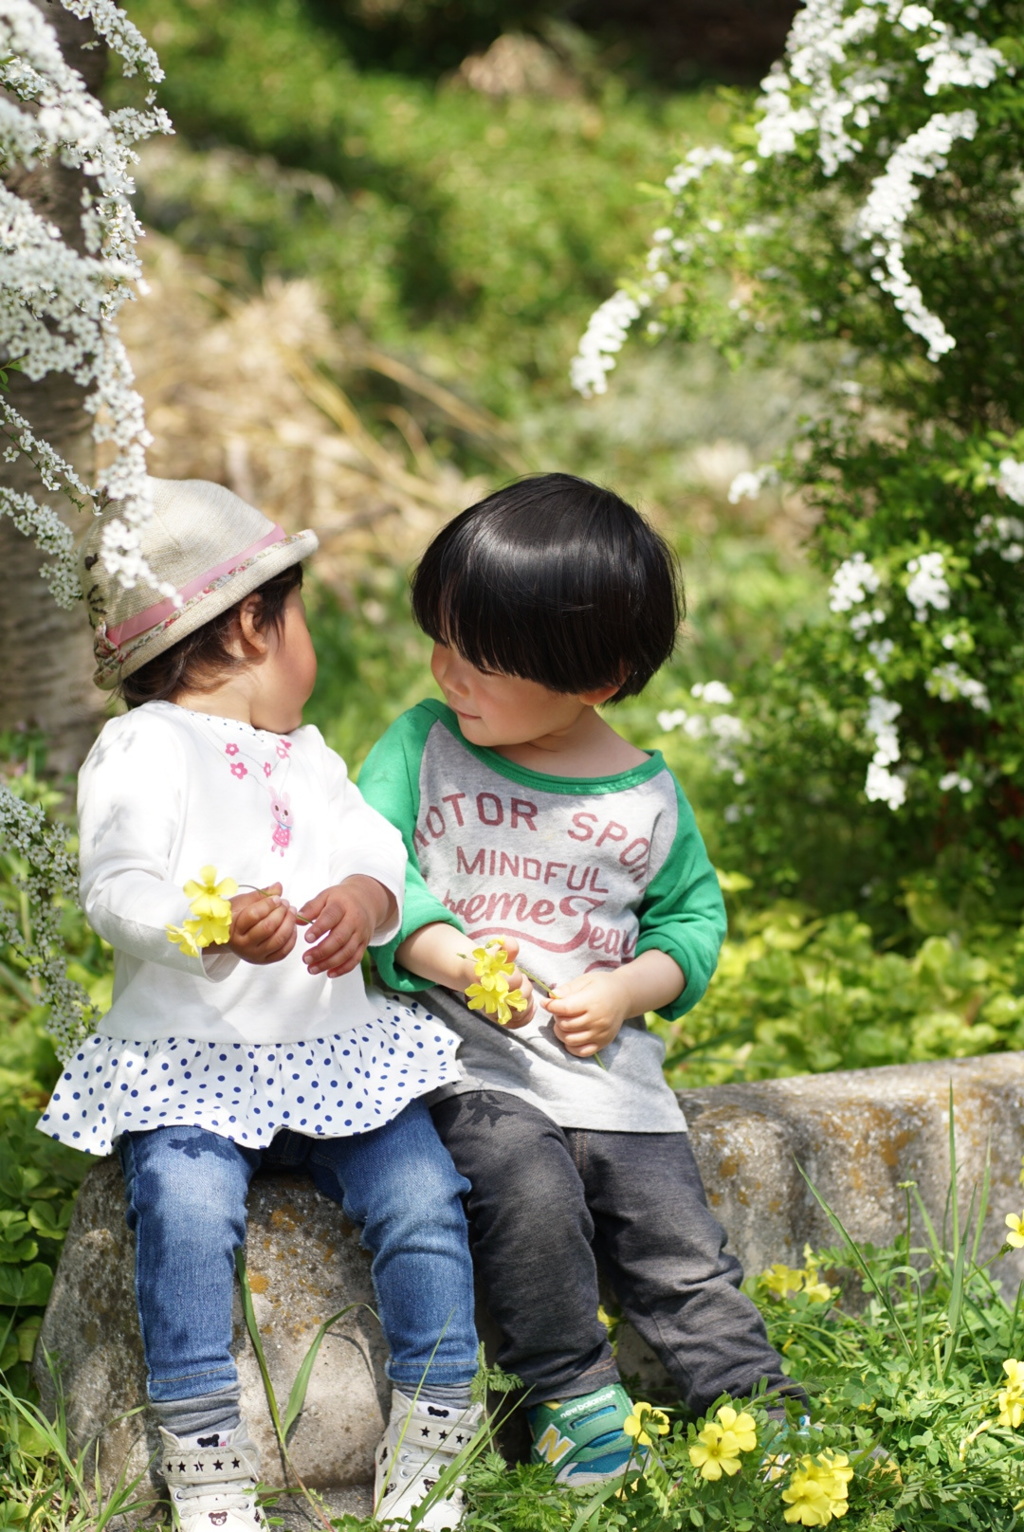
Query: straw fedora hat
{"type": "Point", "coordinates": [203, 540]}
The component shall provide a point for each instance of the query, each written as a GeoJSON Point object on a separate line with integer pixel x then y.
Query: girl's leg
{"type": "Point", "coordinates": [186, 1192]}
{"type": "Point", "coordinates": [400, 1185]}
{"type": "Point", "coordinates": [531, 1234]}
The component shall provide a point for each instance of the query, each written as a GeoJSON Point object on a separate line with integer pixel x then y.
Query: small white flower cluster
{"type": "Point", "coordinates": [1011, 480]}
{"type": "Point", "coordinates": [949, 682]}
{"type": "Point", "coordinates": [723, 732]}
{"type": "Point", "coordinates": [609, 325]}
{"type": "Point", "coordinates": [883, 219]}
{"type": "Point", "coordinates": [50, 876]}
{"type": "Point", "coordinates": [58, 306]}
{"type": "Point", "coordinates": [953, 780]}
{"type": "Point", "coordinates": [838, 96]}
{"type": "Point", "coordinates": [881, 784]}
{"type": "Point", "coordinates": [853, 581]}
{"type": "Point", "coordinates": [928, 586]}
{"type": "Point", "coordinates": [1003, 535]}
{"type": "Point", "coordinates": [694, 165]}
{"type": "Point", "coordinates": [748, 484]}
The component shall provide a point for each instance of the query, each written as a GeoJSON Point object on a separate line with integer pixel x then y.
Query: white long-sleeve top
{"type": "Point", "coordinates": [166, 791]}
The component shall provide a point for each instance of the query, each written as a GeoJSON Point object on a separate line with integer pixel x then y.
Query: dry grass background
{"type": "Point", "coordinates": [246, 391]}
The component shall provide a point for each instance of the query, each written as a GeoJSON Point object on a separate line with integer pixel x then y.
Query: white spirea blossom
{"type": "Point", "coordinates": [953, 779]}
{"type": "Point", "coordinates": [715, 692]}
{"type": "Point", "coordinates": [694, 165]}
{"type": "Point", "coordinates": [58, 306]}
{"type": "Point", "coordinates": [853, 581]}
{"type": "Point", "coordinates": [1011, 480]}
{"type": "Point", "coordinates": [58, 311]}
{"type": "Point", "coordinates": [928, 586]}
{"type": "Point", "coordinates": [1003, 535]}
{"type": "Point", "coordinates": [949, 682]}
{"type": "Point", "coordinates": [882, 221]}
{"type": "Point", "coordinates": [881, 784]}
{"type": "Point", "coordinates": [603, 340]}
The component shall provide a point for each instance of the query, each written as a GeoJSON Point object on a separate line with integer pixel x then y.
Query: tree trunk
{"type": "Point", "coordinates": [46, 666]}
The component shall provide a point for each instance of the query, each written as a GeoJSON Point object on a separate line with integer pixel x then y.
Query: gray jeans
{"type": "Point", "coordinates": [550, 1205]}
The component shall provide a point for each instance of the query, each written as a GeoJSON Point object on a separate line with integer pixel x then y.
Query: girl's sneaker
{"type": "Point", "coordinates": [212, 1482]}
{"type": "Point", "coordinates": [583, 1439]}
{"type": "Point", "coordinates": [422, 1440]}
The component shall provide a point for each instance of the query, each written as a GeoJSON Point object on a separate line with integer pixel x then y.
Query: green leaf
{"type": "Point", "coordinates": [25, 1286]}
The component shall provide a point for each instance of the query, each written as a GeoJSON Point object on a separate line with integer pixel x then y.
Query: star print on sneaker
{"type": "Point", "coordinates": [422, 1440]}
{"type": "Point", "coordinates": [212, 1482]}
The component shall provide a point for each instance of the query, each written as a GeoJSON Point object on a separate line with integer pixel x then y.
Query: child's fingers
{"type": "Point", "coordinates": [323, 913]}
{"type": "Point", "coordinates": [519, 1018]}
{"type": "Point", "coordinates": [257, 907]}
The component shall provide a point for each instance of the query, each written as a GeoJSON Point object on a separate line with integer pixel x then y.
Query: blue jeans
{"type": "Point", "coordinates": [186, 1190]}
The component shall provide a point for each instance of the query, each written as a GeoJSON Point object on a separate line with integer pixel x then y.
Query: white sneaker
{"type": "Point", "coordinates": [212, 1482]}
{"type": "Point", "coordinates": [422, 1440]}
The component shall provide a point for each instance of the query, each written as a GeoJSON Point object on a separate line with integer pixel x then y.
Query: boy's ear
{"type": "Point", "coordinates": [599, 694]}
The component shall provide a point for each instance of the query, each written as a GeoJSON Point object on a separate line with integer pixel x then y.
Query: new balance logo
{"type": "Point", "coordinates": [551, 1446]}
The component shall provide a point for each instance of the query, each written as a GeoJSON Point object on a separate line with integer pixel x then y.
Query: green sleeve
{"type": "Point", "coordinates": [682, 912]}
{"type": "Point", "coordinates": [390, 782]}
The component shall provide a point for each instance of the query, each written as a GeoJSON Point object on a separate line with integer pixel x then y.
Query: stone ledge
{"type": "Point", "coordinates": [856, 1134]}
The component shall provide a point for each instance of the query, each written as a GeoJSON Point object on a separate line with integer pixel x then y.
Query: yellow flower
{"type": "Point", "coordinates": [185, 937]}
{"type": "Point", "coordinates": [715, 1452]}
{"type": "Point", "coordinates": [212, 930]}
{"type": "Point", "coordinates": [1016, 1238]}
{"type": "Point", "coordinates": [208, 896]}
{"type": "Point", "coordinates": [491, 993]}
{"type": "Point", "coordinates": [644, 1420]}
{"type": "Point", "coordinates": [817, 1490]}
{"type": "Point", "coordinates": [742, 1427]}
{"type": "Point", "coordinates": [492, 959]}
{"type": "Point", "coordinates": [782, 1280]}
{"type": "Point", "coordinates": [1014, 1371]}
{"type": "Point", "coordinates": [1011, 1398]}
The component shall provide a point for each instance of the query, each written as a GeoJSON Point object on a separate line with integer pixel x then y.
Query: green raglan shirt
{"type": "Point", "coordinates": [586, 873]}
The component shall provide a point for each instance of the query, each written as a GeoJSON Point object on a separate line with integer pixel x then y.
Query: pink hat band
{"type": "Point", "coordinates": [143, 621]}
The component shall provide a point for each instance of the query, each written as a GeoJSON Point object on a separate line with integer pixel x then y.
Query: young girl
{"type": "Point", "coordinates": [257, 1048]}
{"type": "Point", "coordinates": [527, 818]}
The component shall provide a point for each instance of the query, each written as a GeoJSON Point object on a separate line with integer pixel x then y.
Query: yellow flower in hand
{"type": "Point", "coordinates": [491, 993]}
{"type": "Point", "coordinates": [210, 925]}
{"type": "Point", "coordinates": [207, 895]}
{"type": "Point", "coordinates": [644, 1420]}
{"type": "Point", "coordinates": [186, 937]}
{"type": "Point", "coordinates": [1016, 1226]}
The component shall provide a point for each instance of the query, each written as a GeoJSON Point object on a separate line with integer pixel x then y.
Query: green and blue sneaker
{"type": "Point", "coordinates": [583, 1438]}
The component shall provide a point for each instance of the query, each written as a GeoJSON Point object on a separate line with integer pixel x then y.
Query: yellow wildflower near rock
{"type": "Point", "coordinates": [817, 1491]}
{"type": "Point", "coordinates": [644, 1421]}
{"type": "Point", "coordinates": [715, 1452]}
{"type": "Point", "coordinates": [1016, 1226]}
{"type": "Point", "coordinates": [1011, 1398]}
{"type": "Point", "coordinates": [742, 1426]}
{"type": "Point", "coordinates": [781, 1280]}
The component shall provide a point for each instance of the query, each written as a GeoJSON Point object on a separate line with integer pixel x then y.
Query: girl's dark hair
{"type": "Point", "coordinates": [201, 660]}
{"type": "Point", "coordinates": [556, 580]}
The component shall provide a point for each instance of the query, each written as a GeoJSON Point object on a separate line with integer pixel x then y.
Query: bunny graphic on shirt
{"type": "Point", "coordinates": [281, 808]}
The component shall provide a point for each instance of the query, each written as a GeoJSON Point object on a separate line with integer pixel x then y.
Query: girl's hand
{"type": "Point", "coordinates": [345, 917]}
{"type": "Point", "coordinates": [263, 927]}
{"type": "Point", "coordinates": [588, 1012]}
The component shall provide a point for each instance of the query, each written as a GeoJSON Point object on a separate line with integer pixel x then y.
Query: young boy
{"type": "Point", "coordinates": [528, 819]}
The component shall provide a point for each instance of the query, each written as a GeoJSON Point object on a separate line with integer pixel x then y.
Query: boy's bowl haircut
{"type": "Point", "coordinates": [556, 580]}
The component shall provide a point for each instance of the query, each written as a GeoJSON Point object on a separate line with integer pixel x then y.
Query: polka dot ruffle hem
{"type": "Point", "coordinates": [326, 1087]}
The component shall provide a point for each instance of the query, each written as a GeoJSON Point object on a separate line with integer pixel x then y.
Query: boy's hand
{"type": "Point", "coordinates": [263, 928]}
{"type": "Point", "coordinates": [345, 917]}
{"type": "Point", "coordinates": [516, 981]}
{"type": "Point", "coordinates": [588, 1012]}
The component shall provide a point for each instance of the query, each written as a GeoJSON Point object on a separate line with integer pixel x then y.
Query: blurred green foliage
{"type": "Point", "coordinates": [482, 231]}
